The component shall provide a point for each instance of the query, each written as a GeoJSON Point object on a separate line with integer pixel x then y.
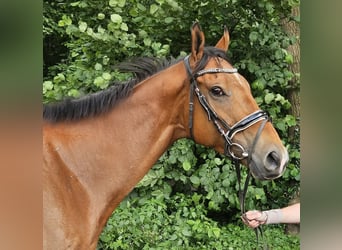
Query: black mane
{"type": "Point", "coordinates": [102, 101]}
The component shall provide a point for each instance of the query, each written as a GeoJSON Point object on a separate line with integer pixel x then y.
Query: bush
{"type": "Point", "coordinates": [181, 223]}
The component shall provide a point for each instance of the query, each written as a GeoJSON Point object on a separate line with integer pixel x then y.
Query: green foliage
{"type": "Point", "coordinates": [189, 198]}
{"type": "Point", "coordinates": [181, 223]}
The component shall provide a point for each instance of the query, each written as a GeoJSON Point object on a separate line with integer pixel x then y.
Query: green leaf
{"type": "Point", "coordinates": [98, 81]}
{"type": "Point", "coordinates": [124, 27]}
{"type": "Point", "coordinates": [121, 3]}
{"type": "Point", "coordinates": [59, 77]}
{"type": "Point", "coordinates": [153, 9]}
{"type": "Point", "coordinates": [82, 26]}
{"type": "Point", "coordinates": [106, 76]}
{"type": "Point", "coordinates": [269, 97]}
{"type": "Point", "coordinates": [186, 165]}
{"type": "Point", "coordinates": [74, 93]}
{"type": "Point", "coordinates": [141, 7]}
{"type": "Point", "coordinates": [133, 12]}
{"type": "Point", "coordinates": [290, 120]}
{"type": "Point", "coordinates": [98, 66]}
{"type": "Point", "coordinates": [289, 58]}
{"type": "Point", "coordinates": [279, 98]}
{"type": "Point", "coordinates": [172, 159]}
{"type": "Point", "coordinates": [112, 3]}
{"type": "Point", "coordinates": [47, 85]}
{"type": "Point", "coordinates": [217, 161]}
{"type": "Point", "coordinates": [75, 3]}
{"type": "Point", "coordinates": [216, 231]}
{"type": "Point", "coordinates": [195, 180]}
{"type": "Point", "coordinates": [115, 18]}
{"type": "Point", "coordinates": [281, 125]}
{"type": "Point", "coordinates": [101, 16]}
{"type": "Point", "coordinates": [147, 41]}
{"type": "Point", "coordinates": [253, 36]}
{"type": "Point", "coordinates": [278, 54]}
{"type": "Point", "coordinates": [168, 20]}
{"type": "Point", "coordinates": [186, 232]}
{"type": "Point", "coordinates": [226, 183]}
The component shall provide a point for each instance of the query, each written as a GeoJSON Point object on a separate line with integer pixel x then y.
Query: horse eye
{"type": "Point", "coordinates": [217, 91]}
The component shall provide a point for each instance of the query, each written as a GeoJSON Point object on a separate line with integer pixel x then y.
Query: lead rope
{"type": "Point", "coordinates": [242, 192]}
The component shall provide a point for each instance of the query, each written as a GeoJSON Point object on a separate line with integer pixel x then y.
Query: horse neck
{"type": "Point", "coordinates": [111, 153]}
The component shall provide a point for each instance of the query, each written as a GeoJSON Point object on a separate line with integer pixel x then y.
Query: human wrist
{"type": "Point", "coordinates": [273, 216]}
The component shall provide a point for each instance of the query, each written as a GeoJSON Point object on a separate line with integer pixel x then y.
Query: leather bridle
{"type": "Point", "coordinates": [227, 132]}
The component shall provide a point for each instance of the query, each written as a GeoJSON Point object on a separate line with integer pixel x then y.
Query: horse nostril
{"type": "Point", "coordinates": [272, 161]}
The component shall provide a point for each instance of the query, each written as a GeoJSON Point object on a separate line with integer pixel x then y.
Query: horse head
{"type": "Point", "coordinates": [225, 115]}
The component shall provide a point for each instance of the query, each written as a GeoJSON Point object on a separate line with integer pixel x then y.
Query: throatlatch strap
{"type": "Point", "coordinates": [192, 87]}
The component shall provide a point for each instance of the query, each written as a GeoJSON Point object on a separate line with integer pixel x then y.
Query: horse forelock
{"type": "Point", "coordinates": [208, 53]}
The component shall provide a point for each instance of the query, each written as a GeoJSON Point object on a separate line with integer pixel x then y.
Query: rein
{"type": "Point", "coordinates": [227, 132]}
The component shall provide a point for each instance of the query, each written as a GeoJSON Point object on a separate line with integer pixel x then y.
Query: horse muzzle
{"type": "Point", "coordinates": [269, 166]}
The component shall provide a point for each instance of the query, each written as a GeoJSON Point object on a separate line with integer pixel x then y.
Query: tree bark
{"type": "Point", "coordinates": [291, 27]}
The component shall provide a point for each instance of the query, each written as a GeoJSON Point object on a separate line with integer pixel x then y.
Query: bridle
{"type": "Point", "coordinates": [226, 131]}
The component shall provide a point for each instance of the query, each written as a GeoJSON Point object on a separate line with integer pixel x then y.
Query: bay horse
{"type": "Point", "coordinates": [98, 147]}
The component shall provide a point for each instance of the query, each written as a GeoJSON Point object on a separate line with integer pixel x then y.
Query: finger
{"type": "Point", "coordinates": [245, 221]}
{"type": "Point", "coordinates": [252, 215]}
{"type": "Point", "coordinates": [253, 224]}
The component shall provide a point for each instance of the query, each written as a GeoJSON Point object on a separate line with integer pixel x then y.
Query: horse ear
{"type": "Point", "coordinates": [197, 43]}
{"type": "Point", "coordinates": [223, 43]}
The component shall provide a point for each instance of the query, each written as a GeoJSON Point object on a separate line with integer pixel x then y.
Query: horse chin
{"type": "Point", "coordinates": [260, 173]}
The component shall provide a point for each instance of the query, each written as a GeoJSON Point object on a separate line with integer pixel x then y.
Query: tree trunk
{"type": "Point", "coordinates": [291, 27]}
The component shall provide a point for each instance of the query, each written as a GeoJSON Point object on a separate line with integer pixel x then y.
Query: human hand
{"type": "Point", "coordinates": [254, 218]}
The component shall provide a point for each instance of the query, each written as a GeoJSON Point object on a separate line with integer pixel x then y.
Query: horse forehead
{"type": "Point", "coordinates": [233, 79]}
{"type": "Point", "coordinates": [217, 62]}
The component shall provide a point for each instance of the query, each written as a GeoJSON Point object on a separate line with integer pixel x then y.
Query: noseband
{"type": "Point", "coordinates": [227, 132]}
